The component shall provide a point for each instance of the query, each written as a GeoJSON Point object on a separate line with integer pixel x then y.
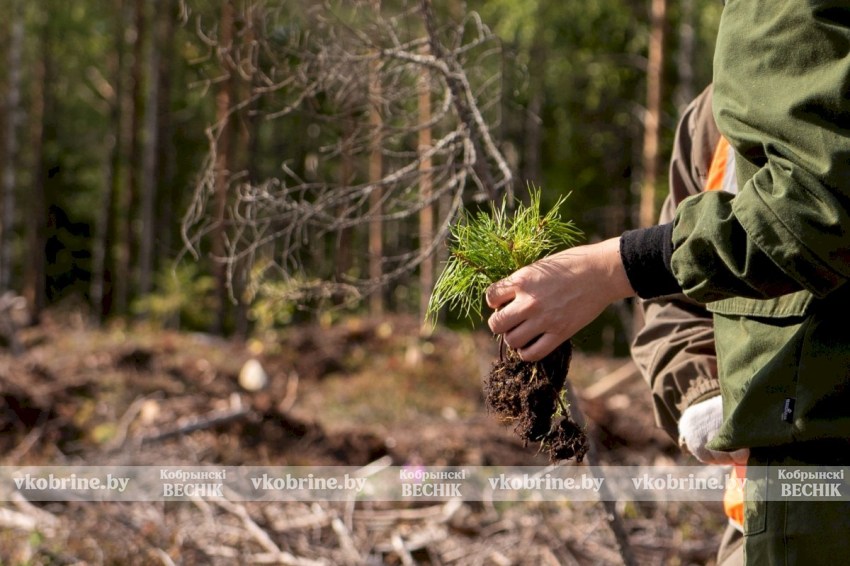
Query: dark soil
{"type": "Point", "coordinates": [567, 440]}
{"type": "Point", "coordinates": [528, 395]}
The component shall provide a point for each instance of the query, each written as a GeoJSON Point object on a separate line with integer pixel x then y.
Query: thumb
{"type": "Point", "coordinates": [500, 292]}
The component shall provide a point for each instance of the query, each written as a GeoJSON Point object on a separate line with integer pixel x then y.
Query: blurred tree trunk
{"type": "Point", "coordinates": [104, 260]}
{"type": "Point", "coordinates": [426, 186]}
{"type": "Point", "coordinates": [685, 91]}
{"type": "Point", "coordinates": [125, 281]}
{"type": "Point", "coordinates": [655, 68]}
{"type": "Point", "coordinates": [10, 135]}
{"type": "Point", "coordinates": [246, 153]}
{"type": "Point", "coordinates": [532, 167]}
{"type": "Point", "coordinates": [150, 144]}
{"type": "Point", "coordinates": [347, 171]}
{"type": "Point", "coordinates": [224, 101]}
{"type": "Point", "coordinates": [166, 150]}
{"type": "Point", "coordinates": [457, 8]}
{"type": "Point", "coordinates": [41, 99]}
{"type": "Point", "coordinates": [376, 173]}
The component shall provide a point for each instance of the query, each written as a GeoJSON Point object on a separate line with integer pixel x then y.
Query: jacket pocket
{"type": "Point", "coordinates": [755, 499]}
{"type": "Point", "coordinates": [823, 383]}
{"type": "Point", "coordinates": [759, 346]}
{"type": "Point", "coordinates": [787, 306]}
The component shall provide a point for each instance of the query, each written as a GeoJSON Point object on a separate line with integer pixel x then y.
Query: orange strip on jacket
{"type": "Point", "coordinates": [717, 170]}
{"type": "Point", "coordinates": [733, 499]}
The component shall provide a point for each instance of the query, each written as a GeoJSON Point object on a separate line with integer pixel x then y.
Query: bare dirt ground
{"type": "Point", "coordinates": [347, 394]}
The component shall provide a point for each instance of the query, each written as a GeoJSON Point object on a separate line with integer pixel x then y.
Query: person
{"type": "Point", "coordinates": [770, 263]}
{"type": "Point", "coordinates": [674, 347]}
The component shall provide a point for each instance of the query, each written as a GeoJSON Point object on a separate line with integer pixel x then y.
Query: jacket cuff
{"type": "Point", "coordinates": [702, 391]}
{"type": "Point", "coordinates": [646, 254]}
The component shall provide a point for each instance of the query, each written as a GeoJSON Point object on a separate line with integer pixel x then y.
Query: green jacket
{"type": "Point", "coordinates": [772, 262]}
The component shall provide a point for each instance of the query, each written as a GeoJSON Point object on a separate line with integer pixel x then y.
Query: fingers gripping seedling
{"type": "Point", "coordinates": [486, 248]}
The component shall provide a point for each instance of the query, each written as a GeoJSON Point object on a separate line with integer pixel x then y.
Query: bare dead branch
{"type": "Point", "coordinates": [210, 420]}
{"type": "Point", "coordinates": [307, 84]}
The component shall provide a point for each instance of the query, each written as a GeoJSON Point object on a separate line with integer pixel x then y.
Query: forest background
{"type": "Point", "coordinates": [191, 189]}
{"type": "Point", "coordinates": [229, 166]}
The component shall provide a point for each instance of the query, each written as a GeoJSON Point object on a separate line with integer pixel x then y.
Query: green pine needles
{"type": "Point", "coordinates": [485, 248]}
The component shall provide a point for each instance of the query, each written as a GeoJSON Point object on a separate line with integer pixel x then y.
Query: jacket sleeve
{"type": "Point", "coordinates": [782, 74]}
{"type": "Point", "coordinates": [674, 349]}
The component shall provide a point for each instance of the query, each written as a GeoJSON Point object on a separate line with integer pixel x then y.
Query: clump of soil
{"type": "Point", "coordinates": [567, 440]}
{"type": "Point", "coordinates": [528, 395]}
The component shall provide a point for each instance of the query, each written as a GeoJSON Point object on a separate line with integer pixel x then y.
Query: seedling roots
{"type": "Point", "coordinates": [528, 395]}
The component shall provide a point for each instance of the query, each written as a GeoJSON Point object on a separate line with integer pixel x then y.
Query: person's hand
{"type": "Point", "coordinates": [699, 424]}
{"type": "Point", "coordinates": [540, 306]}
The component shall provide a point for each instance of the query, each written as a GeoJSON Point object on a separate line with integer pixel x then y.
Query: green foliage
{"type": "Point", "coordinates": [272, 306]}
{"type": "Point", "coordinates": [277, 302]}
{"type": "Point", "coordinates": [486, 247]}
{"type": "Point", "coordinates": [184, 298]}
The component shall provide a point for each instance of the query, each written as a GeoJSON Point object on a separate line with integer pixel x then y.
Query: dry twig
{"type": "Point", "coordinates": [274, 554]}
{"type": "Point", "coordinates": [612, 516]}
{"type": "Point", "coordinates": [210, 420]}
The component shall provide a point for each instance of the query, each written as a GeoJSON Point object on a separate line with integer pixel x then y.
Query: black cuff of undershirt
{"type": "Point", "coordinates": [646, 254]}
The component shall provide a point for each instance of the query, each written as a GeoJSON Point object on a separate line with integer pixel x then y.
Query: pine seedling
{"type": "Point", "coordinates": [486, 248]}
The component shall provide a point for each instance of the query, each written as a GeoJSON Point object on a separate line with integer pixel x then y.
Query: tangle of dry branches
{"type": "Point", "coordinates": [321, 92]}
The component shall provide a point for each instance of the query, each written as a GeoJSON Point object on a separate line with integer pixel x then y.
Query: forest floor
{"type": "Point", "coordinates": [347, 394]}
